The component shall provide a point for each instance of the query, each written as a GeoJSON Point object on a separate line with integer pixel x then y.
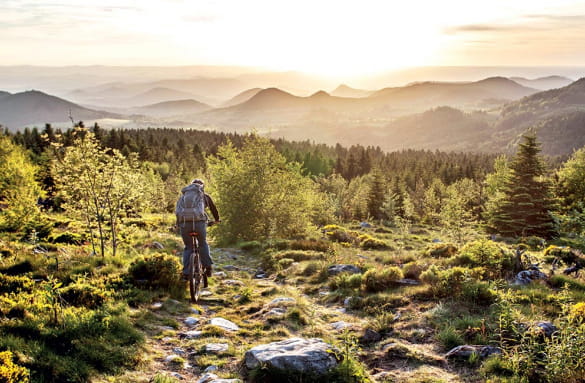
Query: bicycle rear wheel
{"type": "Point", "coordinates": [197, 279]}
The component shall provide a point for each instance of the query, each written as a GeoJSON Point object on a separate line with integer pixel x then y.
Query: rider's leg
{"type": "Point", "coordinates": [186, 228]}
{"type": "Point", "coordinates": [201, 228]}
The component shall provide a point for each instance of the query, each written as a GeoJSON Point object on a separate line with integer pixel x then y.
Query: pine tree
{"type": "Point", "coordinates": [376, 195]}
{"type": "Point", "coordinates": [527, 204]}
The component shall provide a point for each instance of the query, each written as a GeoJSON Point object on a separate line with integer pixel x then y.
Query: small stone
{"type": "Point", "coordinates": [341, 310]}
{"type": "Point", "coordinates": [171, 358]}
{"type": "Point", "coordinates": [216, 348]}
{"type": "Point", "coordinates": [220, 274]}
{"type": "Point", "coordinates": [276, 312]}
{"type": "Point", "coordinates": [156, 305]}
{"type": "Point", "coordinates": [465, 351]}
{"type": "Point", "coordinates": [191, 321]}
{"type": "Point", "coordinates": [226, 381]}
{"type": "Point", "coordinates": [338, 269]}
{"type": "Point", "coordinates": [206, 378]}
{"type": "Point", "coordinates": [179, 351]}
{"type": "Point", "coordinates": [230, 268]}
{"type": "Point", "coordinates": [340, 325]}
{"type": "Point", "coordinates": [260, 275]}
{"type": "Point", "coordinates": [280, 300]}
{"type": "Point", "coordinates": [408, 282]}
{"type": "Point", "coordinates": [224, 323]}
{"type": "Point", "coordinates": [166, 328]}
{"type": "Point", "coordinates": [206, 293]}
{"type": "Point", "coordinates": [158, 245]}
{"type": "Point", "coordinates": [233, 282]}
{"type": "Point", "coordinates": [177, 376]}
{"type": "Point", "coordinates": [211, 368]}
{"type": "Point", "coordinates": [191, 334]}
{"type": "Point", "coordinates": [167, 339]}
{"type": "Point", "coordinates": [194, 311]}
{"type": "Point", "coordinates": [324, 293]}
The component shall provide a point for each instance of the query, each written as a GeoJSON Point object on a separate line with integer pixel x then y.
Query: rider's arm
{"type": "Point", "coordinates": [209, 203]}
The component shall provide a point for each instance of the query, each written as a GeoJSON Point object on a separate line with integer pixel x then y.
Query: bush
{"type": "Point", "coordinates": [285, 263]}
{"type": "Point", "coordinates": [368, 242]}
{"type": "Point", "coordinates": [82, 294]}
{"type": "Point", "coordinates": [375, 280]}
{"type": "Point", "coordinates": [15, 284]}
{"type": "Point", "coordinates": [449, 338]}
{"type": "Point", "coordinates": [560, 281]}
{"type": "Point", "coordinates": [156, 271]}
{"type": "Point", "coordinates": [413, 270]}
{"type": "Point", "coordinates": [67, 238]}
{"type": "Point", "coordinates": [339, 234]}
{"type": "Point", "coordinates": [442, 250]}
{"type": "Point", "coordinates": [10, 372]}
{"type": "Point", "coordinates": [310, 244]}
{"type": "Point", "coordinates": [449, 282]}
{"type": "Point", "coordinates": [345, 281]}
{"type": "Point", "coordinates": [487, 254]}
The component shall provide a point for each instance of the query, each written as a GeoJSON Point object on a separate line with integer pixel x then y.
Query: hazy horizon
{"type": "Point", "coordinates": [331, 39]}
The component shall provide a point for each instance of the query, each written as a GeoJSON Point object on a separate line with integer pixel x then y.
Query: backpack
{"type": "Point", "coordinates": [191, 205]}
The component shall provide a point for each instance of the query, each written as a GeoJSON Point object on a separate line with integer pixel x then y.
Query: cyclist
{"type": "Point", "coordinates": [191, 217]}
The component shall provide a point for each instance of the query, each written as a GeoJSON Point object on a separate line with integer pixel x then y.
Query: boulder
{"type": "Point", "coordinates": [296, 355]}
{"type": "Point", "coordinates": [341, 325]}
{"type": "Point", "coordinates": [465, 351]}
{"type": "Point", "coordinates": [544, 328]}
{"type": "Point", "coordinates": [192, 334]}
{"type": "Point", "coordinates": [191, 321]}
{"type": "Point", "coordinates": [338, 269]}
{"type": "Point", "coordinates": [528, 276]}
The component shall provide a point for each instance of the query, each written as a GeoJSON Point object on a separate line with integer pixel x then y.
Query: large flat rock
{"type": "Point", "coordinates": [295, 355]}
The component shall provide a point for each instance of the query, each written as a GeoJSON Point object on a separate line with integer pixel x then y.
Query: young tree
{"type": "Point", "coordinates": [99, 185]}
{"type": "Point", "coordinates": [526, 205]}
{"type": "Point", "coordinates": [260, 195]}
{"type": "Point", "coordinates": [570, 187]}
{"type": "Point", "coordinates": [376, 194]}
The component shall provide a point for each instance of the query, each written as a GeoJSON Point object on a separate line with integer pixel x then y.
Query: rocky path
{"type": "Point", "coordinates": [243, 308]}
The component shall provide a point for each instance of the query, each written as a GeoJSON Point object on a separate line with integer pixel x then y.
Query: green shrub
{"type": "Point", "coordinates": [375, 280]}
{"type": "Point", "coordinates": [560, 281]}
{"type": "Point", "coordinates": [339, 234]}
{"type": "Point", "coordinates": [442, 250]}
{"type": "Point", "coordinates": [15, 284]}
{"type": "Point", "coordinates": [156, 271]}
{"type": "Point", "coordinates": [10, 372]}
{"type": "Point", "coordinates": [486, 254]}
{"type": "Point", "coordinates": [479, 293]}
{"type": "Point", "coordinates": [81, 294]}
{"type": "Point", "coordinates": [298, 255]}
{"type": "Point", "coordinates": [67, 238]}
{"type": "Point", "coordinates": [345, 281]}
{"type": "Point", "coordinates": [449, 282]}
{"type": "Point", "coordinates": [310, 244]}
{"type": "Point", "coordinates": [449, 338]}
{"type": "Point", "coordinates": [413, 270]}
{"type": "Point", "coordinates": [368, 242]}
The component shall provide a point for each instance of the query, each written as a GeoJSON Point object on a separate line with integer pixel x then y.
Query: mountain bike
{"type": "Point", "coordinates": [199, 277]}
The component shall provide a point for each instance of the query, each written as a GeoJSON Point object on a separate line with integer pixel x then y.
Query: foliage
{"type": "Point", "coordinates": [375, 280]}
{"type": "Point", "coordinates": [18, 188]}
{"type": "Point", "coordinates": [10, 372]}
{"type": "Point", "coordinates": [99, 185]}
{"type": "Point", "coordinates": [15, 284]}
{"type": "Point", "coordinates": [158, 271]}
{"type": "Point", "coordinates": [340, 234]}
{"type": "Point", "coordinates": [526, 207]}
{"type": "Point", "coordinates": [370, 243]}
{"type": "Point", "coordinates": [571, 182]}
{"type": "Point", "coordinates": [487, 254]}
{"type": "Point", "coordinates": [449, 282]}
{"type": "Point", "coordinates": [442, 250]}
{"type": "Point", "coordinates": [260, 195]}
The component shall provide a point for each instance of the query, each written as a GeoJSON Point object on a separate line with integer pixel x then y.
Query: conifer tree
{"type": "Point", "coordinates": [376, 195]}
{"type": "Point", "coordinates": [527, 204]}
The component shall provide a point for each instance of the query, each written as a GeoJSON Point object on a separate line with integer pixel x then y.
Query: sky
{"type": "Point", "coordinates": [320, 37]}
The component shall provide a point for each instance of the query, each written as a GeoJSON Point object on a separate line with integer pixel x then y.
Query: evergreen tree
{"type": "Point", "coordinates": [376, 195]}
{"type": "Point", "coordinates": [527, 203]}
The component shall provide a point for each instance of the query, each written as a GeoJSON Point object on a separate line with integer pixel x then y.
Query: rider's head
{"type": "Point", "coordinates": [198, 181]}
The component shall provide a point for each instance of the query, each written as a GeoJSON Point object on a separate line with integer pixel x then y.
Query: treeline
{"type": "Point", "coordinates": [184, 152]}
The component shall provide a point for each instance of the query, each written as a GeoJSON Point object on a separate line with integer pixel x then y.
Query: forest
{"type": "Point", "coordinates": [465, 266]}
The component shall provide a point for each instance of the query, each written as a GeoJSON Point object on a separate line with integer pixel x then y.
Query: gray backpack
{"type": "Point", "coordinates": [191, 205]}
